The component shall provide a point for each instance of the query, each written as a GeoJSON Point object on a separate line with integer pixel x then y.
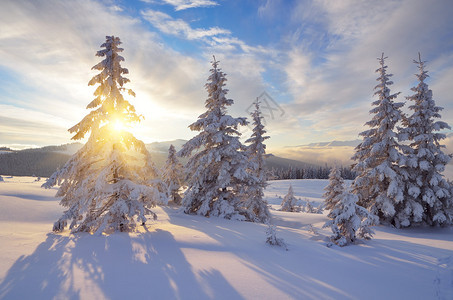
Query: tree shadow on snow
{"type": "Point", "coordinates": [30, 197]}
{"type": "Point", "coordinates": [119, 266]}
{"type": "Point", "coordinates": [405, 269]}
{"type": "Point", "coordinates": [310, 270]}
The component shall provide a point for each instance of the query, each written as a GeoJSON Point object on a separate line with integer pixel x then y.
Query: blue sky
{"type": "Point", "coordinates": [316, 59]}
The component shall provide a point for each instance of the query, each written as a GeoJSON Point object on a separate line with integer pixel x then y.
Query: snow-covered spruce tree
{"type": "Point", "coordinates": [110, 183]}
{"type": "Point", "coordinates": [429, 199]}
{"type": "Point", "coordinates": [272, 239]}
{"type": "Point", "coordinates": [320, 209]}
{"type": "Point", "coordinates": [289, 202]}
{"type": "Point", "coordinates": [172, 175]}
{"type": "Point", "coordinates": [255, 207]}
{"type": "Point", "coordinates": [309, 208]}
{"type": "Point", "coordinates": [334, 189]}
{"type": "Point", "coordinates": [349, 221]}
{"type": "Point", "coordinates": [217, 171]}
{"type": "Point", "coordinates": [379, 184]}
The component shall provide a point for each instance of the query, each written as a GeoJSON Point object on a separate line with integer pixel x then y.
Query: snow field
{"type": "Point", "coordinates": [183, 256]}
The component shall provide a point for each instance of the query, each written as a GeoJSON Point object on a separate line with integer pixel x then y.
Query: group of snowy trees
{"type": "Point", "coordinates": [232, 186]}
{"type": "Point", "coordinates": [399, 166]}
{"type": "Point", "coordinates": [110, 184]}
{"type": "Point", "coordinates": [291, 204]}
{"type": "Point", "coordinates": [348, 220]}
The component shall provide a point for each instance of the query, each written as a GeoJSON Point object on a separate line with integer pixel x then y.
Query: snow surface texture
{"type": "Point", "coordinates": [183, 256]}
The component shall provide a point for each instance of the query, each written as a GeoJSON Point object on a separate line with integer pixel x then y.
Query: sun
{"type": "Point", "coordinates": [118, 125]}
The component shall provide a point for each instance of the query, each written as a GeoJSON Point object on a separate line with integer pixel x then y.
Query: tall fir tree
{"type": "Point", "coordinates": [379, 184]}
{"type": "Point", "coordinates": [173, 175]}
{"type": "Point", "coordinates": [217, 171]}
{"type": "Point", "coordinates": [334, 189]}
{"type": "Point", "coordinates": [255, 207]}
{"type": "Point", "coordinates": [110, 183]}
{"type": "Point", "coordinates": [428, 194]}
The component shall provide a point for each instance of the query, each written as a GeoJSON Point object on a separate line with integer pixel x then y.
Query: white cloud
{"type": "Point", "coordinates": [185, 4]}
{"type": "Point", "coordinates": [116, 8]}
{"type": "Point", "coordinates": [328, 59]}
{"type": "Point", "coordinates": [244, 64]}
{"type": "Point", "coordinates": [318, 155]}
{"type": "Point", "coordinates": [50, 45]}
{"type": "Point", "coordinates": [332, 85]}
{"type": "Point", "coordinates": [270, 8]}
{"type": "Point", "coordinates": [179, 27]}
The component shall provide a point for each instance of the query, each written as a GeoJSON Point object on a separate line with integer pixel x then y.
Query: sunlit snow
{"type": "Point", "coordinates": [183, 256]}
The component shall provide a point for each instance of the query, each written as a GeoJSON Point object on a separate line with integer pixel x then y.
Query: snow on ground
{"type": "Point", "coordinates": [191, 257]}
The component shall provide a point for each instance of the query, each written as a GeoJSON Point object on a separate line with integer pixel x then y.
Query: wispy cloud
{"type": "Point", "coordinates": [50, 47]}
{"type": "Point", "coordinates": [244, 64]}
{"type": "Point", "coordinates": [179, 27]}
{"type": "Point", "coordinates": [270, 8]}
{"type": "Point", "coordinates": [332, 80]}
{"type": "Point", "coordinates": [185, 4]}
{"type": "Point", "coordinates": [320, 69]}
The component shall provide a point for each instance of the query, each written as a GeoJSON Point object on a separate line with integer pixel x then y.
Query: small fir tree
{"type": "Point", "coordinates": [334, 189]}
{"type": "Point", "coordinates": [218, 170]}
{"type": "Point", "coordinates": [272, 239]}
{"type": "Point", "coordinates": [309, 208]}
{"type": "Point", "coordinates": [349, 221]}
{"type": "Point", "coordinates": [428, 195]}
{"type": "Point", "coordinates": [172, 176]}
{"type": "Point", "coordinates": [379, 184]}
{"type": "Point", "coordinates": [110, 183]}
{"type": "Point", "coordinates": [320, 209]}
{"type": "Point", "coordinates": [255, 207]}
{"type": "Point", "coordinates": [289, 202]}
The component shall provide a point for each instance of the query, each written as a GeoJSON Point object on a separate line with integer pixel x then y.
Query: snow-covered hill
{"type": "Point", "coordinates": [190, 257]}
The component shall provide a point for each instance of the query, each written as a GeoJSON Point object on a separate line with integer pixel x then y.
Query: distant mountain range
{"type": "Point", "coordinates": [353, 143]}
{"type": "Point", "coordinates": [44, 161]}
